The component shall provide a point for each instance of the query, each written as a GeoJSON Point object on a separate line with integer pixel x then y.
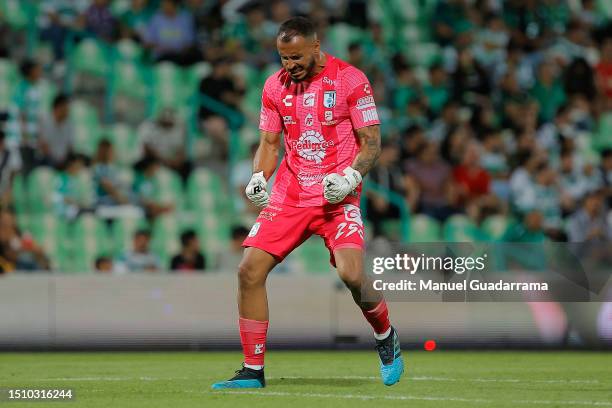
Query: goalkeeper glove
{"type": "Point", "coordinates": [336, 186]}
{"type": "Point", "coordinates": [256, 190]}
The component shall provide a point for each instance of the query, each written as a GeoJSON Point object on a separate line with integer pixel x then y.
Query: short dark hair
{"type": "Point", "coordinates": [187, 236]}
{"type": "Point", "coordinates": [296, 26]}
{"type": "Point", "coordinates": [105, 142]}
{"type": "Point", "coordinates": [142, 232]}
{"type": "Point", "coordinates": [60, 99]}
{"type": "Point", "coordinates": [27, 66]}
{"type": "Point", "coordinates": [607, 152]}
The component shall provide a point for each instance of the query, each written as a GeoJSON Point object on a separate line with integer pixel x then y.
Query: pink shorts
{"type": "Point", "coordinates": [280, 229]}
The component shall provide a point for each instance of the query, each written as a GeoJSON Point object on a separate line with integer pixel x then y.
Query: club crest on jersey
{"type": "Point", "coordinates": [329, 99]}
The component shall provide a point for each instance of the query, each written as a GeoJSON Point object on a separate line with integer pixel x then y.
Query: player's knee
{"type": "Point", "coordinates": [250, 276]}
{"type": "Point", "coordinates": [351, 276]}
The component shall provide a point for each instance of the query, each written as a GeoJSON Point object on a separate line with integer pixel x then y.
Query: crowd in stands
{"type": "Point", "coordinates": [488, 107]}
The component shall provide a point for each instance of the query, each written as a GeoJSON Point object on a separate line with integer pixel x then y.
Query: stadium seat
{"type": "Point", "coordinates": [49, 232]}
{"type": "Point", "coordinates": [41, 186]}
{"type": "Point", "coordinates": [424, 229]}
{"type": "Point", "coordinates": [168, 187]}
{"type": "Point", "coordinates": [313, 256]}
{"type": "Point", "coordinates": [604, 7]}
{"type": "Point", "coordinates": [495, 226]}
{"type": "Point", "coordinates": [130, 79]}
{"type": "Point", "coordinates": [128, 50]}
{"type": "Point", "coordinates": [86, 138]}
{"type": "Point", "coordinates": [340, 36]}
{"type": "Point", "coordinates": [459, 228]}
{"type": "Point", "coordinates": [15, 13]}
{"type": "Point", "coordinates": [204, 191]}
{"type": "Point", "coordinates": [165, 240]}
{"type": "Point", "coordinates": [122, 231]}
{"type": "Point", "coordinates": [6, 90]}
{"type": "Point", "coordinates": [86, 238]}
{"type": "Point", "coordinates": [90, 56]}
{"type": "Point", "coordinates": [423, 54]}
{"type": "Point", "coordinates": [125, 143]}
{"type": "Point", "coordinates": [168, 86]}
{"type": "Point", "coordinates": [603, 138]}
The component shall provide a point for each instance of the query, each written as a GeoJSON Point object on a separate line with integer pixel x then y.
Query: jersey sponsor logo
{"type": "Point", "coordinates": [369, 115]}
{"type": "Point", "coordinates": [329, 116]}
{"type": "Point", "coordinates": [328, 81]}
{"type": "Point", "coordinates": [287, 100]}
{"type": "Point", "coordinates": [352, 213]}
{"type": "Point", "coordinates": [366, 89]}
{"type": "Point", "coordinates": [288, 120]}
{"type": "Point", "coordinates": [259, 348]}
{"type": "Point", "coordinates": [309, 179]}
{"type": "Point", "coordinates": [254, 229]}
{"type": "Point", "coordinates": [309, 100]}
{"type": "Point", "coordinates": [365, 102]}
{"type": "Point", "coordinates": [308, 120]}
{"type": "Point", "coordinates": [312, 146]}
{"type": "Point", "coordinates": [329, 99]}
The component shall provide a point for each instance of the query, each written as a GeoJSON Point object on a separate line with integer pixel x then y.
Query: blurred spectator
{"type": "Point", "coordinates": [430, 184]}
{"type": "Point", "coordinates": [493, 160]}
{"type": "Point", "coordinates": [450, 18]}
{"type": "Point", "coordinates": [491, 41]}
{"type": "Point", "coordinates": [190, 258]}
{"type": "Point", "coordinates": [388, 176]}
{"type": "Point", "coordinates": [219, 86]}
{"type": "Point", "coordinates": [470, 80]}
{"type": "Point", "coordinates": [474, 185]}
{"type": "Point", "coordinates": [103, 264]}
{"type": "Point", "coordinates": [18, 251]}
{"type": "Point", "coordinates": [10, 164]}
{"type": "Point", "coordinates": [413, 139]}
{"type": "Point", "coordinates": [230, 258]}
{"type": "Point", "coordinates": [140, 258]}
{"type": "Point", "coordinates": [571, 45]}
{"type": "Point", "coordinates": [108, 187]}
{"type": "Point", "coordinates": [253, 36]}
{"type": "Point", "coordinates": [164, 140]}
{"type": "Point", "coordinates": [579, 79]}
{"type": "Point", "coordinates": [591, 222]}
{"type": "Point", "coordinates": [512, 102]}
{"type": "Point", "coordinates": [58, 19]}
{"type": "Point", "coordinates": [437, 91]}
{"type": "Point", "coordinates": [99, 20]}
{"type": "Point", "coordinates": [447, 120]}
{"type": "Point", "coordinates": [530, 229]}
{"type": "Point", "coordinates": [454, 144]}
{"type": "Point", "coordinates": [70, 196]}
{"type": "Point", "coordinates": [547, 198]}
{"type": "Point", "coordinates": [145, 190]}
{"type": "Point", "coordinates": [548, 91]}
{"type": "Point", "coordinates": [605, 174]}
{"type": "Point", "coordinates": [406, 87]}
{"type": "Point", "coordinates": [603, 72]}
{"type": "Point", "coordinates": [171, 34]}
{"type": "Point", "coordinates": [573, 180]}
{"type": "Point", "coordinates": [27, 100]}
{"type": "Point", "coordinates": [135, 20]}
{"type": "Point", "coordinates": [57, 133]}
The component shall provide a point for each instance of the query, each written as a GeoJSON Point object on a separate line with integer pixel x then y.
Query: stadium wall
{"type": "Point", "coordinates": [59, 312]}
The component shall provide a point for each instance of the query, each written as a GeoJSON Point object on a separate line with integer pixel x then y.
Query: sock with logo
{"type": "Point", "coordinates": [379, 320]}
{"type": "Point", "coordinates": [253, 339]}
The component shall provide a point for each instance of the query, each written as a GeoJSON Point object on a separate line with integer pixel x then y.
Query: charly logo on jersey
{"type": "Point", "coordinates": [309, 100]}
{"type": "Point", "coordinates": [310, 179]}
{"type": "Point", "coordinates": [287, 100]}
{"type": "Point", "coordinates": [309, 120]}
{"type": "Point", "coordinates": [312, 146]}
{"type": "Point", "coordinates": [329, 99]}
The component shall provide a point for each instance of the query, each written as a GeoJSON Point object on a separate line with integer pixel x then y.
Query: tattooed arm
{"type": "Point", "coordinates": [369, 138]}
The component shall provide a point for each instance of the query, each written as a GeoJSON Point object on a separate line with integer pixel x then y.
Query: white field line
{"type": "Point", "coordinates": [410, 398]}
{"type": "Point", "coordinates": [348, 377]}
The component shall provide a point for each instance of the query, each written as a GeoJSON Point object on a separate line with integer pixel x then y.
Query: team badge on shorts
{"type": "Point", "coordinates": [254, 229]}
{"type": "Point", "coordinates": [329, 99]}
{"type": "Point", "coordinates": [352, 213]}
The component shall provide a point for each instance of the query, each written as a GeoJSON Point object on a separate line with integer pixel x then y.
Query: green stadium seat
{"type": "Point", "coordinates": [340, 36]}
{"type": "Point", "coordinates": [20, 194]}
{"type": "Point", "coordinates": [90, 56]}
{"type": "Point", "coordinates": [168, 187]}
{"type": "Point", "coordinates": [314, 256]}
{"type": "Point", "coordinates": [604, 7]}
{"type": "Point", "coordinates": [49, 232]}
{"type": "Point", "coordinates": [15, 13]}
{"type": "Point", "coordinates": [86, 138]}
{"type": "Point", "coordinates": [125, 143]}
{"type": "Point", "coordinates": [130, 79]}
{"type": "Point", "coordinates": [603, 138]}
{"type": "Point", "coordinates": [424, 229]}
{"type": "Point", "coordinates": [87, 238]}
{"type": "Point", "coordinates": [82, 113]}
{"type": "Point", "coordinates": [41, 186]}
{"type": "Point", "coordinates": [204, 189]}
{"type": "Point", "coordinates": [423, 54]}
{"type": "Point", "coordinates": [495, 226]}
{"type": "Point", "coordinates": [122, 231]}
{"type": "Point", "coordinates": [168, 86]}
{"type": "Point", "coordinates": [459, 228]}
{"type": "Point", "coordinates": [165, 240]}
{"type": "Point", "coordinates": [128, 50]}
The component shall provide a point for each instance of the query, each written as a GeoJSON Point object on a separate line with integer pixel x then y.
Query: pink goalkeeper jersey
{"type": "Point", "coordinates": [319, 119]}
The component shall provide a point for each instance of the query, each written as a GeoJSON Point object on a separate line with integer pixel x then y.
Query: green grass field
{"type": "Point", "coordinates": [307, 379]}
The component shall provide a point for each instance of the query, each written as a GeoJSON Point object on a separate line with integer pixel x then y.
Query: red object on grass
{"type": "Point", "coordinates": [430, 345]}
